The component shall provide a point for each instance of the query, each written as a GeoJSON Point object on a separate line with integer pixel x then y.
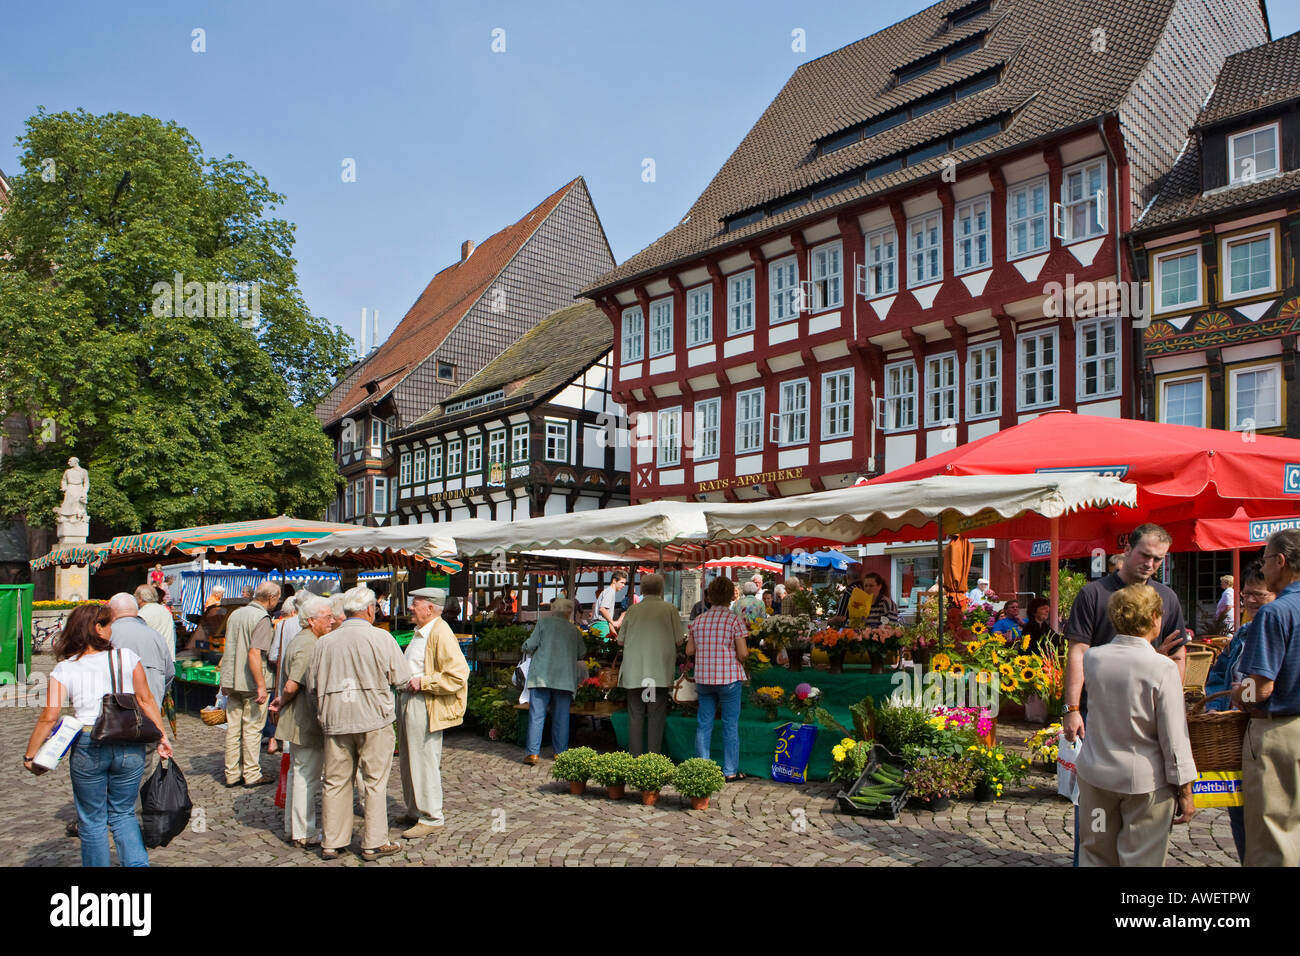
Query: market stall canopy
{"type": "Point", "coordinates": [910, 509]}
{"type": "Point", "coordinates": [387, 545]}
{"type": "Point", "coordinates": [836, 560]}
{"type": "Point", "coordinates": [634, 528]}
{"type": "Point", "coordinates": [69, 555]}
{"type": "Point", "coordinates": [758, 564]}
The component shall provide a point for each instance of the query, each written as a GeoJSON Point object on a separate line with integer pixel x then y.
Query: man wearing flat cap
{"type": "Point", "coordinates": [432, 701]}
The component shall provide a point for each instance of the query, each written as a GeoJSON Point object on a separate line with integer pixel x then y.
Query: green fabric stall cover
{"type": "Point", "coordinates": [758, 734]}
{"type": "Point", "coordinates": [15, 633]}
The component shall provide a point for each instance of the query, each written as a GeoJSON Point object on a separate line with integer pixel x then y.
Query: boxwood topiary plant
{"type": "Point", "coordinates": [575, 765]}
{"type": "Point", "coordinates": [651, 773]}
{"type": "Point", "coordinates": [612, 769]}
{"type": "Point", "coordinates": [698, 777]}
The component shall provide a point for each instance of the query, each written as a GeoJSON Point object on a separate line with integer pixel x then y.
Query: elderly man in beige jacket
{"type": "Point", "coordinates": [651, 633]}
{"type": "Point", "coordinates": [432, 700]}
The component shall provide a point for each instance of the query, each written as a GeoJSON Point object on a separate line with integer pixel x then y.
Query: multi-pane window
{"type": "Point", "coordinates": [359, 492]}
{"type": "Point", "coordinates": [418, 472]}
{"type": "Point", "coordinates": [435, 463]}
{"type": "Point", "coordinates": [794, 412]}
{"type": "Point", "coordinates": [497, 446]}
{"type": "Point", "coordinates": [670, 437]}
{"type": "Point", "coordinates": [1027, 218]}
{"type": "Point", "coordinates": [1253, 155]}
{"type": "Point", "coordinates": [983, 381]}
{"type": "Point", "coordinates": [1256, 397]}
{"type": "Point", "coordinates": [404, 469]}
{"type": "Point", "coordinates": [1083, 201]}
{"type": "Point", "coordinates": [1037, 371]}
{"type": "Point", "coordinates": [740, 303]}
{"type": "Point", "coordinates": [349, 503]}
{"type": "Point", "coordinates": [827, 277]}
{"type": "Point", "coordinates": [783, 286]}
{"type": "Point", "coordinates": [376, 433]}
{"type": "Point", "coordinates": [474, 454]}
{"type": "Point", "coordinates": [380, 496]}
{"type": "Point", "coordinates": [557, 441]}
{"type": "Point", "coordinates": [941, 390]}
{"type": "Point", "coordinates": [453, 459]}
{"type": "Point", "coordinates": [707, 414]}
{"type": "Point", "coordinates": [1097, 350]}
{"type": "Point", "coordinates": [519, 442]}
{"type": "Point", "coordinates": [633, 334]}
{"type": "Point", "coordinates": [971, 239]}
{"type": "Point", "coordinates": [1182, 401]}
{"type": "Point", "coordinates": [882, 263]}
{"type": "Point", "coordinates": [699, 315]}
{"type": "Point", "coordinates": [749, 421]}
{"type": "Point", "coordinates": [837, 404]}
{"type": "Point", "coordinates": [1178, 279]}
{"type": "Point", "coordinates": [1249, 264]}
{"type": "Point", "coordinates": [661, 327]}
{"type": "Point", "coordinates": [924, 249]}
{"type": "Point", "coordinates": [900, 396]}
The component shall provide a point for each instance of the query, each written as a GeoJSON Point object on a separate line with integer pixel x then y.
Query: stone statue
{"type": "Point", "coordinates": [73, 521]}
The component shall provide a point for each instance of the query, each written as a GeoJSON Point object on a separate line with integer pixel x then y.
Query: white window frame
{"type": "Point", "coordinates": [837, 406]}
{"type": "Point", "coordinates": [930, 248]}
{"type": "Point", "coordinates": [987, 386]}
{"type": "Point", "coordinates": [972, 238]}
{"type": "Point", "coordinates": [1234, 373]}
{"type": "Point", "coordinates": [1022, 371]}
{"type": "Point", "coordinates": [1162, 399]}
{"type": "Point", "coordinates": [874, 270]}
{"type": "Point", "coordinates": [497, 440]}
{"type": "Point", "coordinates": [792, 419]}
{"type": "Point", "coordinates": [348, 501]}
{"type": "Point", "coordinates": [1225, 260]}
{"type": "Point", "coordinates": [825, 288]}
{"type": "Point", "coordinates": [668, 425]}
{"type": "Point", "coordinates": [937, 417]}
{"type": "Point", "coordinates": [454, 456]}
{"type": "Point", "coordinates": [519, 442]}
{"type": "Point", "coordinates": [377, 433]}
{"type": "Point", "coordinates": [754, 419]}
{"type": "Point", "coordinates": [359, 490]}
{"type": "Point", "coordinates": [708, 429]}
{"type": "Point", "coordinates": [1260, 175]}
{"type": "Point", "coordinates": [404, 469]}
{"type": "Point", "coordinates": [557, 440]}
{"type": "Point", "coordinates": [633, 335]}
{"type": "Point", "coordinates": [435, 463]}
{"type": "Point", "coordinates": [736, 307]}
{"type": "Point", "coordinates": [699, 321]}
{"type": "Point", "coordinates": [473, 454]}
{"type": "Point", "coordinates": [418, 473]}
{"type": "Point", "coordinates": [661, 327]}
{"type": "Point", "coordinates": [901, 400]}
{"type": "Point", "coordinates": [785, 293]}
{"type": "Point", "coordinates": [379, 495]}
{"type": "Point", "coordinates": [1028, 186]}
{"type": "Point", "coordinates": [1062, 212]}
{"type": "Point", "coordinates": [1081, 359]}
{"type": "Point", "coordinates": [1157, 261]}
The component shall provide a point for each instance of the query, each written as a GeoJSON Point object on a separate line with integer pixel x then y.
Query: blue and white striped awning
{"type": "Point", "coordinates": [234, 580]}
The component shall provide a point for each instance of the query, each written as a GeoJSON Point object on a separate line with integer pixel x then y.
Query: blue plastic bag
{"type": "Point", "coordinates": [794, 747]}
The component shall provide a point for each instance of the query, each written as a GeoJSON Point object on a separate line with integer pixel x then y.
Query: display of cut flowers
{"type": "Point", "coordinates": [1043, 745]}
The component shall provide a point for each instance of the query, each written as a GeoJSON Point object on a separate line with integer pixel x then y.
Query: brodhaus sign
{"type": "Point", "coordinates": [76, 909]}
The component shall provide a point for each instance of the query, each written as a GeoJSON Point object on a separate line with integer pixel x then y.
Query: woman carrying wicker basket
{"type": "Point", "coordinates": [1135, 768]}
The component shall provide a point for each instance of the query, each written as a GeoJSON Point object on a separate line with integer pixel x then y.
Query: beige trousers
{"type": "Point", "coordinates": [344, 754]}
{"type": "Point", "coordinates": [305, 765]}
{"type": "Point", "coordinates": [1270, 777]}
{"type": "Point", "coordinates": [1124, 829]}
{"type": "Point", "coordinates": [245, 718]}
{"type": "Point", "coordinates": [420, 760]}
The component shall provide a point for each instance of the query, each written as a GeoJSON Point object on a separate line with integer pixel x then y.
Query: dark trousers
{"type": "Point", "coordinates": [637, 709]}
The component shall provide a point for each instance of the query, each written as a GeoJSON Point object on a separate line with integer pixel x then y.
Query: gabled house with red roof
{"type": "Point", "coordinates": [469, 313]}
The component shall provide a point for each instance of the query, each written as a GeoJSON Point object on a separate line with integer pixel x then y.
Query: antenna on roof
{"type": "Point", "coordinates": [361, 343]}
{"type": "Point", "coordinates": [374, 338]}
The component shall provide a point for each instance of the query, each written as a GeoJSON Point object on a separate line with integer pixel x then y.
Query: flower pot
{"type": "Point", "coordinates": [577, 787]}
{"type": "Point", "coordinates": [936, 804]}
{"type": "Point", "coordinates": [615, 791]}
{"type": "Point", "coordinates": [649, 797]}
{"type": "Point", "coordinates": [984, 792]}
{"type": "Point", "coordinates": [990, 739]}
{"type": "Point", "coordinates": [769, 714]}
{"type": "Point", "coordinates": [796, 660]}
{"type": "Point", "coordinates": [699, 803]}
{"type": "Point", "coordinates": [921, 656]}
{"type": "Point", "coordinates": [837, 665]}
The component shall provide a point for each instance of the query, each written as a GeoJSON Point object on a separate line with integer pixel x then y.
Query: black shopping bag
{"type": "Point", "coordinates": [164, 805]}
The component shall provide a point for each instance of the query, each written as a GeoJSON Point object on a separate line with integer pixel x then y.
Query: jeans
{"type": "Point", "coordinates": [1237, 821]}
{"type": "Point", "coordinates": [540, 700]}
{"type": "Point", "coordinates": [727, 698]}
{"type": "Point", "coordinates": [105, 779]}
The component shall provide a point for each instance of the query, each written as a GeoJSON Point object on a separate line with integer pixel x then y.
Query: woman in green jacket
{"type": "Point", "coordinates": [555, 646]}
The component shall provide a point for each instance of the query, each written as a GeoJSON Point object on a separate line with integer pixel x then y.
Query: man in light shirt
{"type": "Point", "coordinates": [432, 701]}
{"type": "Point", "coordinates": [607, 602]}
{"type": "Point", "coordinates": [154, 613]}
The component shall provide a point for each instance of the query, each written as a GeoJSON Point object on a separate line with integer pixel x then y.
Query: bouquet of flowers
{"type": "Point", "coordinates": [589, 691]}
{"type": "Point", "coordinates": [1013, 674]}
{"type": "Point", "coordinates": [807, 706]}
{"type": "Point", "coordinates": [1043, 744]}
{"type": "Point", "coordinates": [757, 661]}
{"type": "Point", "coordinates": [789, 631]}
{"type": "Point", "coordinates": [978, 719]}
{"type": "Point", "coordinates": [850, 760]}
{"type": "Point", "coordinates": [769, 698]}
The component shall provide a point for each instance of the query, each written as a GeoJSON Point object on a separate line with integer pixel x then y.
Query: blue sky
{"type": "Point", "coordinates": [451, 140]}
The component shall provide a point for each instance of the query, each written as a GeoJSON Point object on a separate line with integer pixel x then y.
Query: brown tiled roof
{"type": "Point", "coordinates": [1253, 79]}
{"type": "Point", "coordinates": [1052, 81]}
{"type": "Point", "coordinates": [443, 303]}
{"type": "Point", "coordinates": [549, 356]}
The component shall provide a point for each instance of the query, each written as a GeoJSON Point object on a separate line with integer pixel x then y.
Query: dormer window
{"type": "Point", "coordinates": [1253, 155]}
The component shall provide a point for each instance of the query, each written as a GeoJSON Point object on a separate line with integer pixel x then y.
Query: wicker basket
{"type": "Point", "coordinates": [1216, 736]}
{"type": "Point", "coordinates": [212, 716]}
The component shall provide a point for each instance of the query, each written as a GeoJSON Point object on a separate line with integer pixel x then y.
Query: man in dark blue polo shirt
{"type": "Point", "coordinates": [1270, 693]}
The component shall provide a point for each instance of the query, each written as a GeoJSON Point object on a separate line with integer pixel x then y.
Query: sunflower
{"type": "Point", "coordinates": [979, 628]}
{"type": "Point", "coordinates": [940, 662]}
{"type": "Point", "coordinates": [1010, 685]}
{"type": "Point", "coordinates": [1023, 661]}
{"type": "Point", "coordinates": [984, 677]}
{"type": "Point", "coordinates": [1024, 645]}
{"type": "Point", "coordinates": [1028, 674]}
{"type": "Point", "coordinates": [957, 670]}
{"type": "Point", "coordinates": [1000, 639]}
{"type": "Point", "coordinates": [1007, 671]}
{"type": "Point", "coordinates": [973, 646]}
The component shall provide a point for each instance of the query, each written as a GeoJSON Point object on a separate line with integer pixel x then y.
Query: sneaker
{"type": "Point", "coordinates": [421, 830]}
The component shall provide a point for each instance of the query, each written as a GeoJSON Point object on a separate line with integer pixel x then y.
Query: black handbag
{"type": "Point", "coordinates": [121, 721]}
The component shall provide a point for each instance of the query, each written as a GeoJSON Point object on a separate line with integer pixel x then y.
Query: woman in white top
{"type": "Point", "coordinates": [1227, 601]}
{"type": "Point", "coordinates": [105, 776]}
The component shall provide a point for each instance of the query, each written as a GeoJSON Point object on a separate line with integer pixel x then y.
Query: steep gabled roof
{"type": "Point", "coordinates": [1052, 79]}
{"type": "Point", "coordinates": [443, 303]}
{"type": "Point", "coordinates": [548, 357]}
{"type": "Point", "coordinates": [1255, 79]}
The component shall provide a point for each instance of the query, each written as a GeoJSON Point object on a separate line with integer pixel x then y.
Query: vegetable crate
{"type": "Point", "coordinates": [888, 808]}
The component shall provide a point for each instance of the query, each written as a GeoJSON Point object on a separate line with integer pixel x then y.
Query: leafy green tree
{"type": "Point", "coordinates": [183, 416]}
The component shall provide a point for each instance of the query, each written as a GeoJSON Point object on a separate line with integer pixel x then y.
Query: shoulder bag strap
{"type": "Point", "coordinates": [115, 674]}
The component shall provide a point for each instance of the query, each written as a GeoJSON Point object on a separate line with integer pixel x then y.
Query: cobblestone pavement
{"type": "Point", "coordinates": [502, 812]}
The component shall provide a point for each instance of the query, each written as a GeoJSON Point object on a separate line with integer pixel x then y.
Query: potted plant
{"type": "Point", "coordinates": [575, 767]}
{"type": "Point", "coordinates": [850, 760]}
{"type": "Point", "coordinates": [790, 633]}
{"type": "Point", "coordinates": [650, 773]}
{"type": "Point", "coordinates": [934, 781]}
{"type": "Point", "coordinates": [589, 691]}
{"type": "Point", "coordinates": [611, 771]}
{"type": "Point", "coordinates": [993, 769]}
{"type": "Point", "coordinates": [769, 698]}
{"type": "Point", "coordinates": [806, 704]}
{"type": "Point", "coordinates": [698, 778]}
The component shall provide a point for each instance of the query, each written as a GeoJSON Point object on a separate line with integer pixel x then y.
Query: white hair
{"type": "Point", "coordinates": [123, 605]}
{"type": "Point", "coordinates": [217, 589]}
{"type": "Point", "coordinates": [289, 606]}
{"type": "Point", "coordinates": [336, 605]}
{"type": "Point", "coordinates": [357, 599]}
{"type": "Point", "coordinates": [750, 587]}
{"type": "Point", "coordinates": [312, 606]}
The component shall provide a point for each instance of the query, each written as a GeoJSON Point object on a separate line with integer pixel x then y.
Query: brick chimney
{"type": "Point", "coordinates": [466, 249]}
